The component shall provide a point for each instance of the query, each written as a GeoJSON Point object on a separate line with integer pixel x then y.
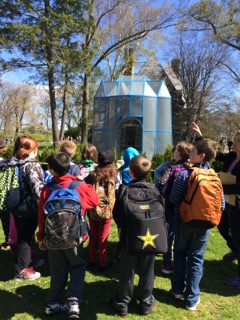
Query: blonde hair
{"type": "Point", "coordinates": [140, 167]}
{"type": "Point", "coordinates": [68, 147]}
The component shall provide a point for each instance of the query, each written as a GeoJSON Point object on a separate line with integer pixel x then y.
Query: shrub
{"type": "Point", "coordinates": [157, 159]}
{"type": "Point", "coordinates": [168, 153]}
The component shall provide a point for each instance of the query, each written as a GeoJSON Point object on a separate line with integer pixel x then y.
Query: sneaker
{"type": "Point", "coordinates": [36, 263]}
{"type": "Point", "coordinates": [178, 296]}
{"type": "Point", "coordinates": [193, 308]}
{"type": "Point", "coordinates": [167, 269]}
{"type": "Point", "coordinates": [233, 282]}
{"type": "Point", "coordinates": [5, 246]}
{"type": "Point", "coordinates": [56, 308]}
{"type": "Point", "coordinates": [121, 310]}
{"type": "Point", "coordinates": [74, 310]}
{"type": "Point", "coordinates": [230, 256]}
{"type": "Point", "coordinates": [27, 274]}
{"type": "Point", "coordinates": [145, 309]}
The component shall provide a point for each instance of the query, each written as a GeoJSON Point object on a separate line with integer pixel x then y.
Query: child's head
{"type": "Point", "coordinates": [90, 153]}
{"type": "Point", "coordinates": [24, 147]}
{"type": "Point", "coordinates": [3, 147]}
{"type": "Point", "coordinates": [203, 151]}
{"type": "Point", "coordinates": [68, 147]}
{"type": "Point", "coordinates": [58, 162]}
{"type": "Point", "coordinates": [182, 150]}
{"type": "Point", "coordinates": [139, 167]}
{"type": "Point", "coordinates": [105, 158]}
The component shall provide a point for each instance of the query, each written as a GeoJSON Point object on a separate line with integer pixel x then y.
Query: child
{"type": "Point", "coordinates": [100, 218]}
{"type": "Point", "coordinates": [70, 148]}
{"type": "Point", "coordinates": [180, 155]}
{"type": "Point", "coordinates": [130, 264]}
{"type": "Point", "coordinates": [190, 241]}
{"type": "Point", "coordinates": [129, 153]}
{"type": "Point", "coordinates": [89, 160]}
{"type": "Point", "coordinates": [70, 260]}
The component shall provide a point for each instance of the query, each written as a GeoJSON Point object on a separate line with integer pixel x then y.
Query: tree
{"type": "Point", "coordinates": [17, 104]}
{"type": "Point", "coordinates": [36, 34]}
{"type": "Point", "coordinates": [222, 17]}
{"type": "Point", "coordinates": [199, 63]}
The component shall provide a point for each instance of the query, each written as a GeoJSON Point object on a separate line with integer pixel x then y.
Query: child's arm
{"type": "Point", "coordinates": [88, 196]}
{"type": "Point", "coordinates": [41, 219]}
{"type": "Point", "coordinates": [118, 207]}
{"type": "Point", "coordinates": [179, 188]}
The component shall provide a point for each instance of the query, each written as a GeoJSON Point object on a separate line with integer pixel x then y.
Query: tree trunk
{"type": "Point", "coordinates": [50, 74]}
{"type": "Point", "coordinates": [65, 108]}
{"type": "Point", "coordinates": [85, 109]}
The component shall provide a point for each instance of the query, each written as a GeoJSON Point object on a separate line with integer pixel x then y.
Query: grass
{"type": "Point", "coordinates": [21, 300]}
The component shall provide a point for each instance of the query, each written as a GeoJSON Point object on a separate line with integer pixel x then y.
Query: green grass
{"type": "Point", "coordinates": [26, 300]}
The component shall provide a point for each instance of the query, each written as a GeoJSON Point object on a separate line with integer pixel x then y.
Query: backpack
{"type": "Point", "coordinates": [65, 225]}
{"type": "Point", "coordinates": [145, 224]}
{"type": "Point", "coordinates": [9, 186]}
{"type": "Point", "coordinates": [169, 176]}
{"type": "Point", "coordinates": [203, 202]}
{"type": "Point", "coordinates": [107, 198]}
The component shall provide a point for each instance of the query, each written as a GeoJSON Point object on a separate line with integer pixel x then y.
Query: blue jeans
{"type": "Point", "coordinates": [170, 218]}
{"type": "Point", "coordinates": [189, 247]}
{"type": "Point", "coordinates": [234, 223]}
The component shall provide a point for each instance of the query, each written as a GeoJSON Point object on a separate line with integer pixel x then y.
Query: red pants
{"type": "Point", "coordinates": [100, 232]}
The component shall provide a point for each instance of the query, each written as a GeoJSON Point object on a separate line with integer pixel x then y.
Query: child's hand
{"type": "Point", "coordinates": [196, 129]}
{"type": "Point", "coordinates": [42, 245]}
{"type": "Point", "coordinates": [79, 177]}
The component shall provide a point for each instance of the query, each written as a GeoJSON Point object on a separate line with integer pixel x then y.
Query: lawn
{"type": "Point", "coordinates": [26, 300]}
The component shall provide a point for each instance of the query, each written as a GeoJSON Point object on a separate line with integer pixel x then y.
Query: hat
{"type": "Point", "coordinates": [105, 157]}
{"type": "Point", "coordinates": [2, 143]}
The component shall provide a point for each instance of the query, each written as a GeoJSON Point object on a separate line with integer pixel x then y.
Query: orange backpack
{"type": "Point", "coordinates": [202, 205]}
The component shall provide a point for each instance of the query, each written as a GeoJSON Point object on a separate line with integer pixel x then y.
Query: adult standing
{"type": "Point", "coordinates": [31, 177]}
{"type": "Point", "coordinates": [229, 226]}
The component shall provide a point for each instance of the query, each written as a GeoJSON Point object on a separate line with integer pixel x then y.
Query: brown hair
{"type": "Point", "coordinates": [184, 148]}
{"type": "Point", "coordinates": [90, 153]}
{"type": "Point", "coordinates": [103, 174]}
{"type": "Point", "coordinates": [23, 146]}
{"type": "Point", "coordinates": [208, 147]}
{"type": "Point", "coordinates": [68, 147]}
{"type": "Point", "coordinates": [140, 167]}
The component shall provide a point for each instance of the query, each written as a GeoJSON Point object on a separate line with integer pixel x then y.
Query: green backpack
{"type": "Point", "coordinates": [9, 186]}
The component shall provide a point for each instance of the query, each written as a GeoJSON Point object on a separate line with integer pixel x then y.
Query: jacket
{"type": "Point", "coordinates": [227, 159]}
{"type": "Point", "coordinates": [88, 198]}
{"type": "Point", "coordinates": [129, 153]}
{"type": "Point", "coordinates": [31, 181]}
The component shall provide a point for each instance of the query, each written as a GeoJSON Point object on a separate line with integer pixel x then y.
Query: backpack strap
{"type": "Point", "coordinates": [74, 184]}
{"type": "Point", "coordinates": [52, 185]}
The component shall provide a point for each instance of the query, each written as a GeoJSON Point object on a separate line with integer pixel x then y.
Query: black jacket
{"type": "Point", "coordinates": [227, 159]}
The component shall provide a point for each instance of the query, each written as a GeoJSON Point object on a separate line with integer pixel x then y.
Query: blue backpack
{"type": "Point", "coordinates": [65, 225]}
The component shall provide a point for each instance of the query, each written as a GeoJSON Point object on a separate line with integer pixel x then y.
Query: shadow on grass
{"type": "Point", "coordinates": [215, 272]}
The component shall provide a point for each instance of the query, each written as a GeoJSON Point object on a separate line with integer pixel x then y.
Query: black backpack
{"type": "Point", "coordinates": [146, 227]}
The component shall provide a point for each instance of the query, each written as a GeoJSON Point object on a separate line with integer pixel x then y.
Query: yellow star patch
{"type": "Point", "coordinates": [148, 239]}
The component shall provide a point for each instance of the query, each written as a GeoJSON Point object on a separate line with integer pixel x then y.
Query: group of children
{"type": "Point", "coordinates": [189, 245]}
